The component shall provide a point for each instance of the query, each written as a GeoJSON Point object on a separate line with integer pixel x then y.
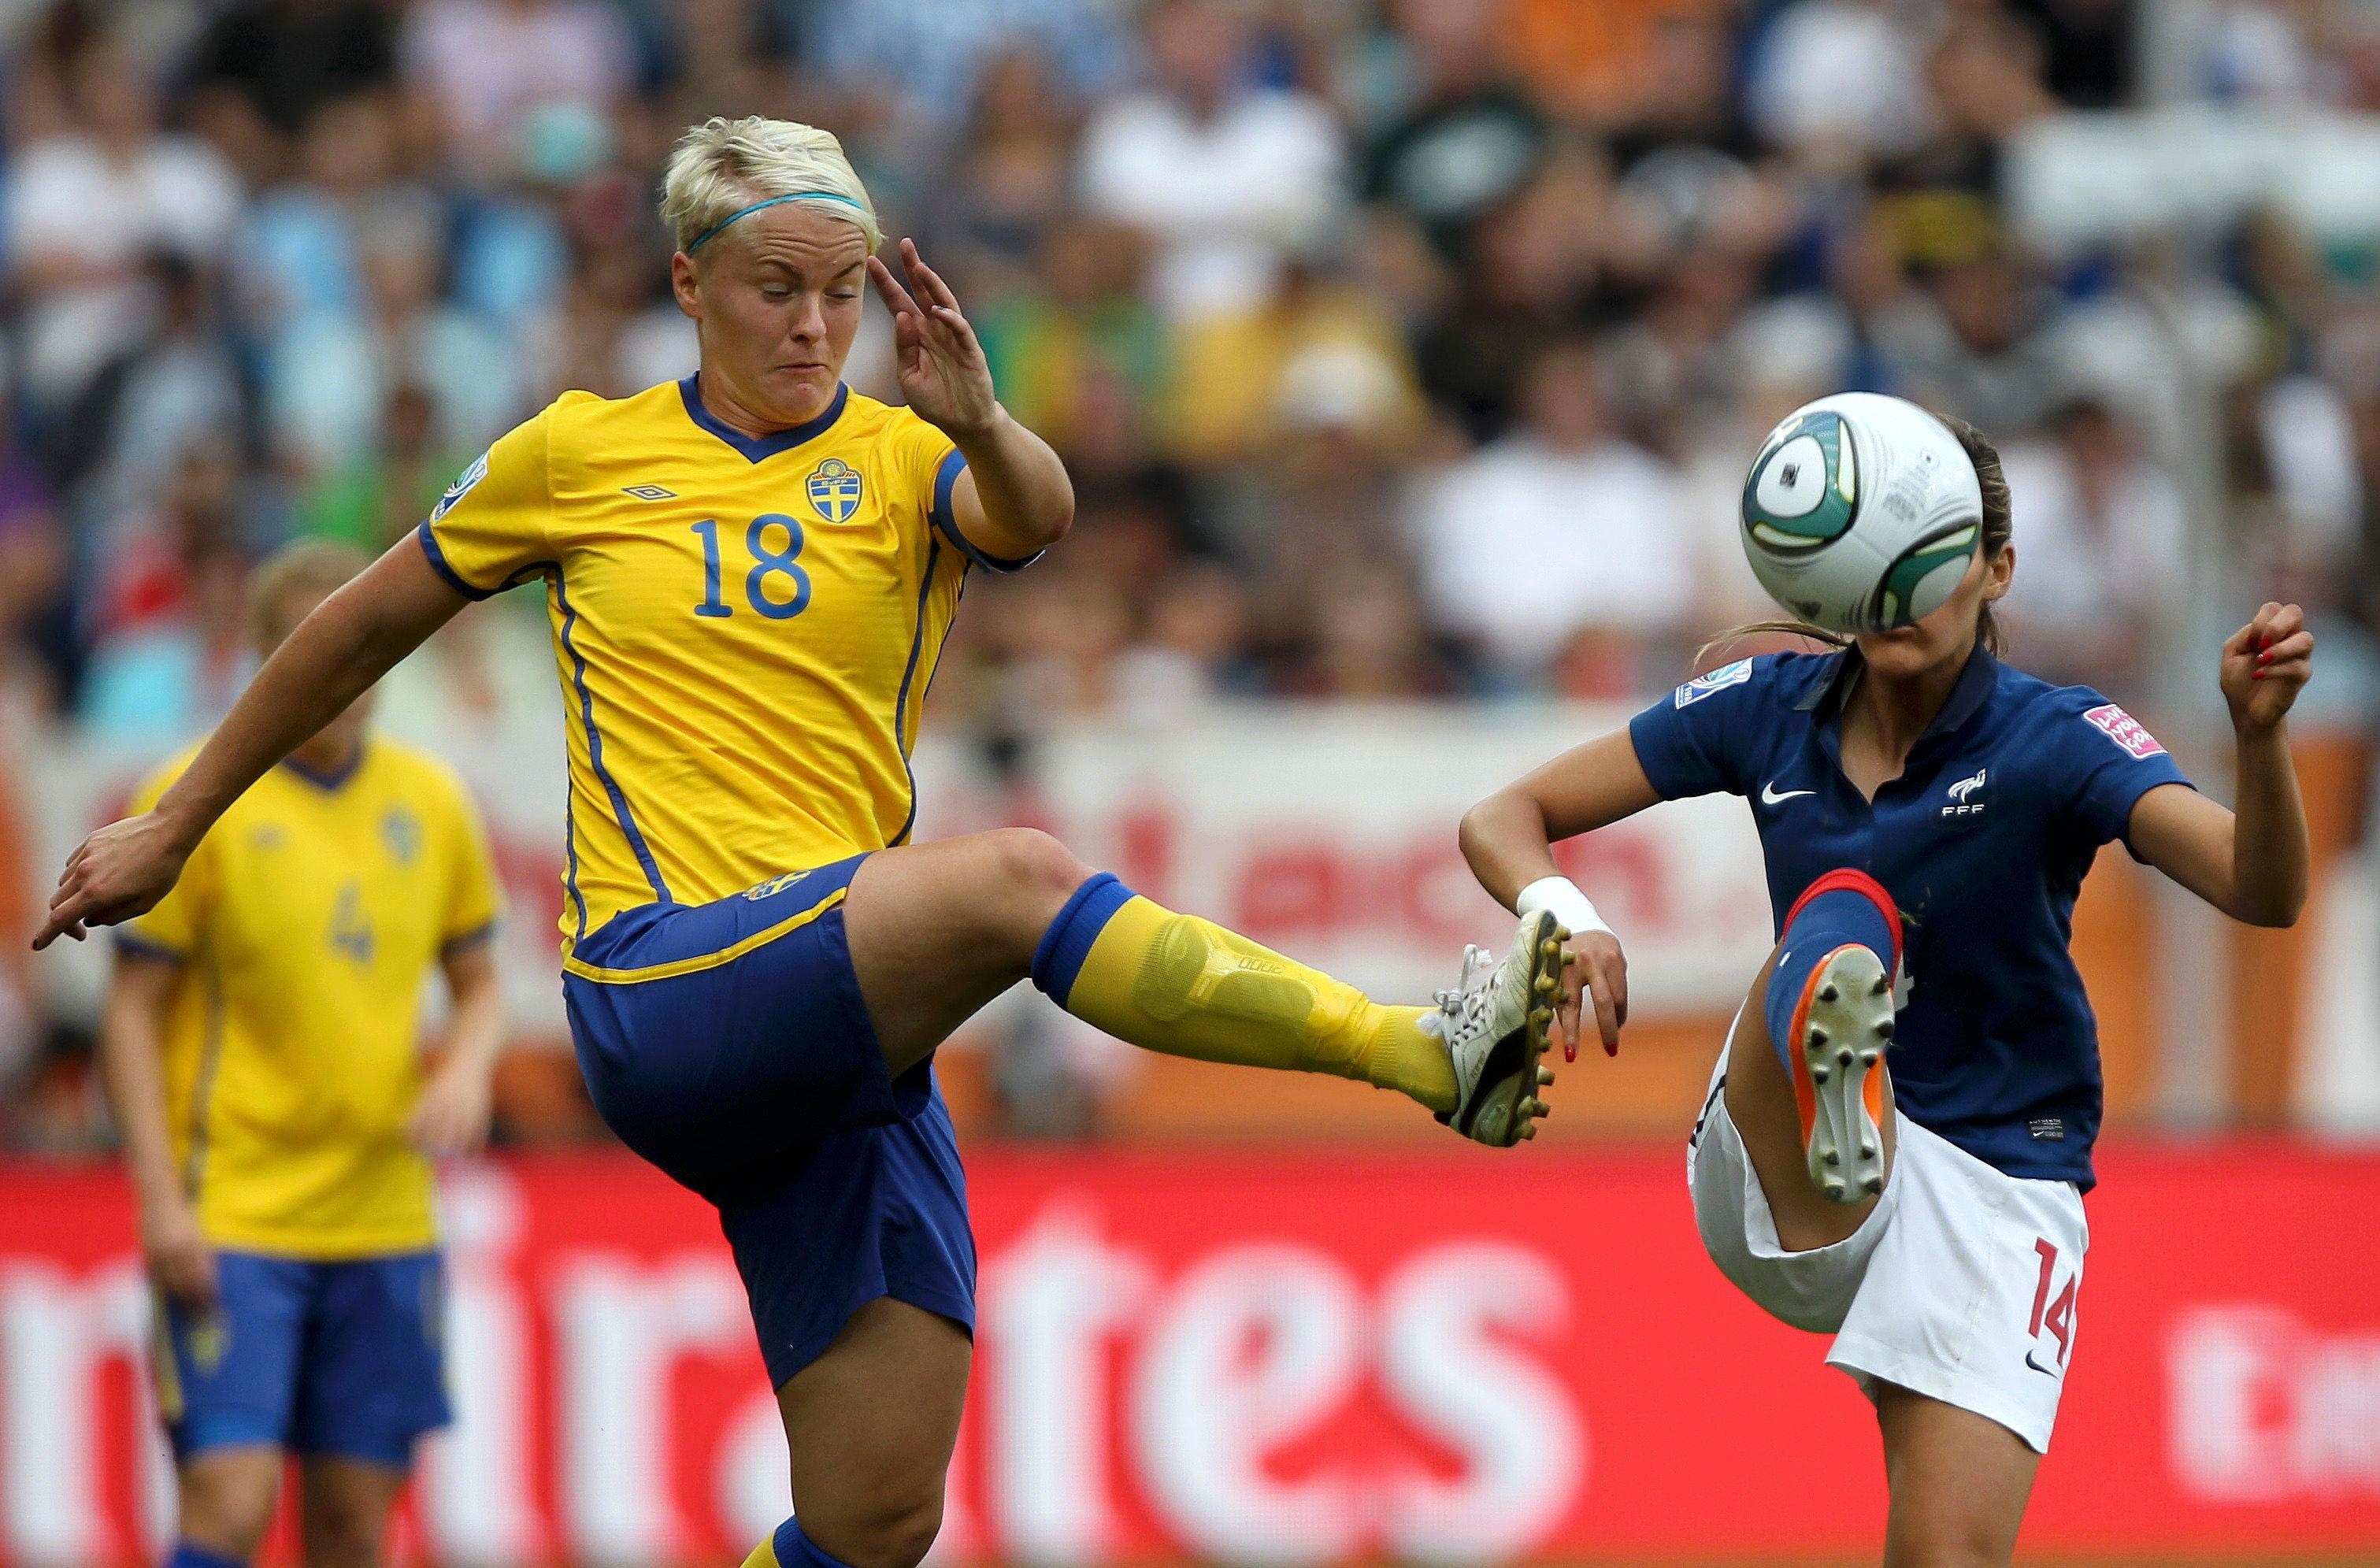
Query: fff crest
{"type": "Point", "coordinates": [833, 488]}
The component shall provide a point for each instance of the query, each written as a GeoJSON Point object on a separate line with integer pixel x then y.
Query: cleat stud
{"type": "Point", "coordinates": [1541, 1016]}
{"type": "Point", "coordinates": [1551, 946]}
{"type": "Point", "coordinates": [1528, 1131]}
{"type": "Point", "coordinates": [1834, 1156]}
{"type": "Point", "coordinates": [1817, 1038]}
{"type": "Point", "coordinates": [1884, 1031]}
{"type": "Point", "coordinates": [1867, 1148]}
{"type": "Point", "coordinates": [1835, 1189]}
{"type": "Point", "coordinates": [1883, 984]}
{"type": "Point", "coordinates": [1819, 1074]}
{"type": "Point", "coordinates": [1869, 1057]}
{"type": "Point", "coordinates": [1546, 1075]}
{"type": "Point", "coordinates": [1843, 1057]}
{"type": "Point", "coordinates": [1873, 1183]}
{"type": "Point", "coordinates": [1827, 993]}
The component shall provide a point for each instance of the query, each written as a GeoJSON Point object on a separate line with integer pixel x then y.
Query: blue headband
{"type": "Point", "coordinates": [747, 212]}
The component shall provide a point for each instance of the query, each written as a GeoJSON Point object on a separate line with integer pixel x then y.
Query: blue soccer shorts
{"type": "Point", "coordinates": [342, 1359]}
{"type": "Point", "coordinates": [727, 1044]}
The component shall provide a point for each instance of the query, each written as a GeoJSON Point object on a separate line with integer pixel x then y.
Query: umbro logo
{"type": "Point", "coordinates": [1963, 801]}
{"type": "Point", "coordinates": [648, 493]}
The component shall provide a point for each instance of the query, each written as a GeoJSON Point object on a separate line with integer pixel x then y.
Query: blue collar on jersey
{"type": "Point", "coordinates": [747, 212]}
{"type": "Point", "coordinates": [333, 778]}
{"type": "Point", "coordinates": [756, 447]}
{"type": "Point", "coordinates": [1975, 683]}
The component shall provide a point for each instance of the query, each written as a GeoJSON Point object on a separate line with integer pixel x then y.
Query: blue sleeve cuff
{"type": "Point", "coordinates": [946, 479]}
{"type": "Point", "coordinates": [140, 946]}
{"type": "Point", "coordinates": [438, 564]}
{"type": "Point", "coordinates": [463, 941]}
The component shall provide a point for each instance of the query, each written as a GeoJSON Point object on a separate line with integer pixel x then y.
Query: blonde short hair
{"type": "Point", "coordinates": [722, 166]}
{"type": "Point", "coordinates": [315, 568]}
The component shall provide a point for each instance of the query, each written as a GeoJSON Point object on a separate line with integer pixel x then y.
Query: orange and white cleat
{"type": "Point", "coordinates": [1841, 1027]}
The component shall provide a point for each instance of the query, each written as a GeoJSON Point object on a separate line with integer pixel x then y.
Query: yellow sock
{"type": "Point", "coordinates": [764, 1555]}
{"type": "Point", "coordinates": [1187, 987]}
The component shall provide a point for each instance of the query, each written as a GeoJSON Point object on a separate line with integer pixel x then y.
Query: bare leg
{"type": "Point", "coordinates": [227, 1499]}
{"type": "Point", "coordinates": [870, 1426]}
{"type": "Point", "coordinates": [1959, 1483]}
{"type": "Point", "coordinates": [936, 931]}
{"type": "Point", "coordinates": [343, 1505]}
{"type": "Point", "coordinates": [1760, 1101]}
{"type": "Point", "coordinates": [939, 929]}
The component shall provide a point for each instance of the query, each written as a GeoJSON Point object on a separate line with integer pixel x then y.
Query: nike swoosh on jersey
{"type": "Point", "coordinates": [2037, 1366]}
{"type": "Point", "coordinates": [1768, 795]}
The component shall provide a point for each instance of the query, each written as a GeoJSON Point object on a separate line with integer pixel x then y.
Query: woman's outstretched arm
{"type": "Point", "coordinates": [351, 639]}
{"type": "Point", "coordinates": [1508, 839]}
{"type": "Point", "coordinates": [2252, 864]}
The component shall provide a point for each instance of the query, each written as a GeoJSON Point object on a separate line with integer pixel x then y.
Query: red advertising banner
{"type": "Point", "coordinates": [1273, 1356]}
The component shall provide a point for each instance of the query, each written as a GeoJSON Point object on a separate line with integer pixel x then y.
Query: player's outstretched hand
{"type": "Point", "coordinates": [942, 367]}
{"type": "Point", "coordinates": [2264, 664]}
{"type": "Point", "coordinates": [117, 872]}
{"type": "Point", "coordinates": [451, 1116]}
{"type": "Point", "coordinates": [180, 1263]}
{"type": "Point", "coordinates": [1596, 978]}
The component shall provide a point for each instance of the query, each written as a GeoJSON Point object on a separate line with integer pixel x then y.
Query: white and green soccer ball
{"type": "Point", "coordinates": [1861, 513]}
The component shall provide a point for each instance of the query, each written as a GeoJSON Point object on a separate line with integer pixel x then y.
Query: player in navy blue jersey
{"type": "Point", "coordinates": [1927, 813]}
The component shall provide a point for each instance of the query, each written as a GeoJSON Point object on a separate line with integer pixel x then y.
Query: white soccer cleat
{"type": "Point", "coordinates": [1840, 1029]}
{"type": "Point", "coordinates": [1495, 1021]}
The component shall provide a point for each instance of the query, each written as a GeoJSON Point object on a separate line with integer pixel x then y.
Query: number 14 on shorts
{"type": "Point", "coordinates": [2055, 1314]}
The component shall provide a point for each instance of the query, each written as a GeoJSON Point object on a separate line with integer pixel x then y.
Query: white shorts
{"type": "Point", "coordinates": [1960, 1285]}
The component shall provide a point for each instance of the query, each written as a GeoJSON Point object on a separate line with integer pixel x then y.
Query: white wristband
{"type": "Point", "coordinates": [1560, 895]}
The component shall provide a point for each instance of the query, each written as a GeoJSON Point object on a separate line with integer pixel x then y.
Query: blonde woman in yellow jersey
{"type": "Point", "coordinates": [749, 576]}
{"type": "Point", "coordinates": [261, 1049]}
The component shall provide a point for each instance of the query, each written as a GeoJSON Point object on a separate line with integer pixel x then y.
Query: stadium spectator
{"type": "Point", "coordinates": [1228, 178]}
{"type": "Point", "coordinates": [487, 64]}
{"type": "Point", "coordinates": [1559, 529]}
{"type": "Point", "coordinates": [85, 205]}
{"type": "Point", "coordinates": [2104, 534]}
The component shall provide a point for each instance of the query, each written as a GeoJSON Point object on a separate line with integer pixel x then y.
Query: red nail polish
{"type": "Point", "coordinates": [2257, 676]}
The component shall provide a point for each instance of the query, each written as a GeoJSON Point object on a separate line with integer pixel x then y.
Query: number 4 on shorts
{"type": "Point", "coordinates": [2058, 1315]}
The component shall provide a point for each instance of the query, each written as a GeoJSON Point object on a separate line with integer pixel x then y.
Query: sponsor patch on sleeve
{"type": "Point", "coordinates": [1726, 675]}
{"type": "Point", "coordinates": [2124, 730]}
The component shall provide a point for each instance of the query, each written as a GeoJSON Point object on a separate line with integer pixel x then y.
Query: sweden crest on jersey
{"type": "Point", "coordinates": [833, 488]}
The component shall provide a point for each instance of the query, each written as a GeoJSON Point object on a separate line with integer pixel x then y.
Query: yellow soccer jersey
{"type": "Point", "coordinates": [744, 629]}
{"type": "Point", "coordinates": [305, 924]}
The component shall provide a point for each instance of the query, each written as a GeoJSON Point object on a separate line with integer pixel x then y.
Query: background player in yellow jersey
{"type": "Point", "coordinates": [261, 1045]}
{"type": "Point", "coordinates": [749, 575]}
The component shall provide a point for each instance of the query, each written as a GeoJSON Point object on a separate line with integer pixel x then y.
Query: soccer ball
{"type": "Point", "coordinates": [1861, 513]}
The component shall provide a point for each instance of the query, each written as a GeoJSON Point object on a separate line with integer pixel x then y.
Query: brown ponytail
{"type": "Point", "coordinates": [1998, 526]}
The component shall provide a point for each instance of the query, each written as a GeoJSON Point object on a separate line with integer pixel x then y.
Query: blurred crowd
{"type": "Point", "coordinates": [1399, 347]}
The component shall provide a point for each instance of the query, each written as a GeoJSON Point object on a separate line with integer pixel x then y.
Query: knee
{"type": "Point", "coordinates": [1030, 866]}
{"type": "Point", "coordinates": [893, 1530]}
{"type": "Point", "coordinates": [228, 1510]}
